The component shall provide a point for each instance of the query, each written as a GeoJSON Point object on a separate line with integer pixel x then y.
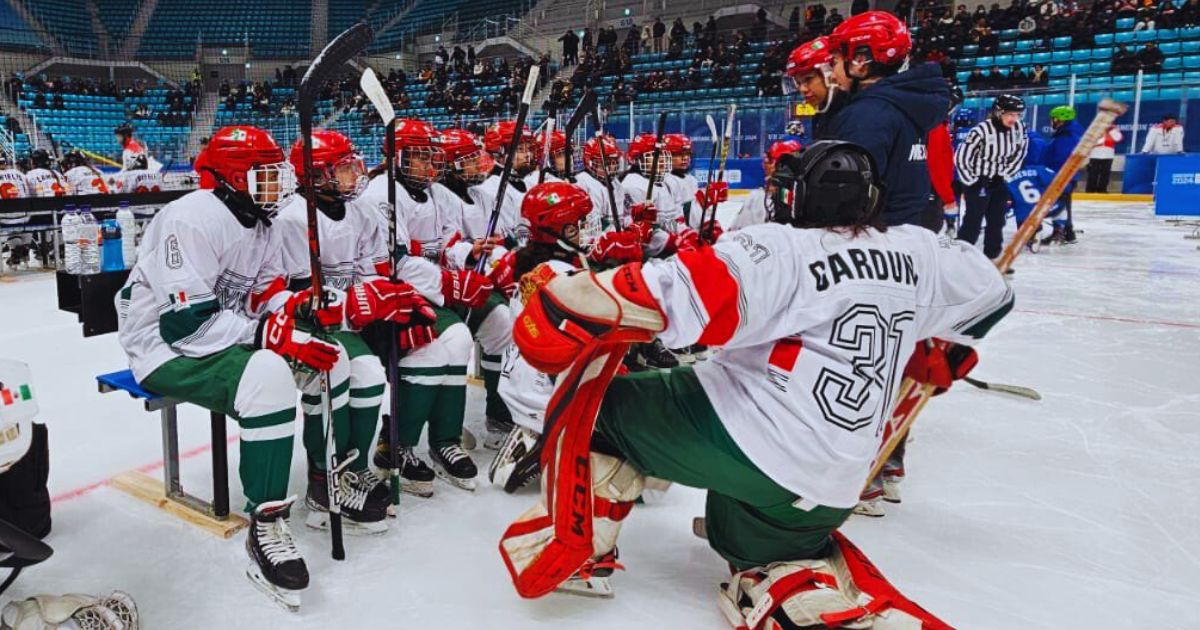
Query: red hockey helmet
{"type": "Point", "coordinates": [591, 155]}
{"type": "Point", "coordinates": [641, 151]}
{"type": "Point", "coordinates": [780, 148]}
{"type": "Point", "coordinates": [420, 160]}
{"type": "Point", "coordinates": [497, 137]}
{"type": "Point", "coordinates": [883, 35]}
{"type": "Point", "coordinates": [247, 160]}
{"type": "Point", "coordinates": [465, 156]}
{"type": "Point", "coordinates": [337, 166]}
{"type": "Point", "coordinates": [554, 211]}
{"type": "Point", "coordinates": [558, 150]}
{"type": "Point", "coordinates": [811, 56]}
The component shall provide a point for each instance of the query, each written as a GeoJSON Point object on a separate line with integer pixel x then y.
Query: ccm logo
{"type": "Point", "coordinates": [579, 495]}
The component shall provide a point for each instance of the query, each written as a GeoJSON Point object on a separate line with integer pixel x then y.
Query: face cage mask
{"type": "Point", "coordinates": [271, 186]}
{"type": "Point", "coordinates": [595, 166]}
{"type": "Point", "coordinates": [418, 174]}
{"type": "Point", "coordinates": [345, 180]}
{"type": "Point", "coordinates": [646, 161]}
{"type": "Point", "coordinates": [483, 164]}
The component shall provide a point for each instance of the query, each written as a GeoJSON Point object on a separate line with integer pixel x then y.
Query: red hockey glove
{"type": "Point", "coordinates": [420, 331]}
{"type": "Point", "coordinates": [715, 193]}
{"type": "Point", "coordinates": [502, 274]}
{"type": "Point", "coordinates": [415, 248]}
{"type": "Point", "coordinates": [645, 231]}
{"type": "Point", "coordinates": [617, 247]}
{"type": "Point", "coordinates": [933, 365]}
{"type": "Point", "coordinates": [380, 300]}
{"type": "Point", "coordinates": [299, 306]}
{"type": "Point", "coordinates": [643, 213]}
{"type": "Point", "coordinates": [278, 333]}
{"type": "Point", "coordinates": [465, 288]}
{"type": "Point", "coordinates": [711, 231]}
{"type": "Point", "coordinates": [685, 240]}
{"type": "Point", "coordinates": [568, 311]}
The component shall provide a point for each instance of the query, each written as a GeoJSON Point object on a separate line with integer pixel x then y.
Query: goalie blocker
{"type": "Point", "coordinates": [775, 495]}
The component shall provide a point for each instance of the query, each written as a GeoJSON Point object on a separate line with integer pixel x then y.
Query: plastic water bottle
{"type": "Point", "coordinates": [89, 242]}
{"type": "Point", "coordinates": [128, 234]}
{"type": "Point", "coordinates": [70, 239]}
{"type": "Point", "coordinates": [112, 256]}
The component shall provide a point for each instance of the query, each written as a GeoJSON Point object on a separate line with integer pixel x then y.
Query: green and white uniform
{"type": "Point", "coordinates": [350, 251]}
{"type": "Point", "coordinates": [187, 320]}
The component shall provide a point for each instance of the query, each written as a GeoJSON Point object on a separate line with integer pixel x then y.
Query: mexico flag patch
{"type": "Point", "coordinates": [14, 394]}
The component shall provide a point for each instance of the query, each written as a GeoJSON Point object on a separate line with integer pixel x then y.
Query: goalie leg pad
{"type": "Point", "coordinates": [843, 590]}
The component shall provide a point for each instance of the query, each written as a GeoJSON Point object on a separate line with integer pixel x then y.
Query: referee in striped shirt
{"type": "Point", "coordinates": [990, 155]}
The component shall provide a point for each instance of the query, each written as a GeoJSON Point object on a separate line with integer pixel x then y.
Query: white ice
{"type": "Point", "coordinates": [1079, 511]}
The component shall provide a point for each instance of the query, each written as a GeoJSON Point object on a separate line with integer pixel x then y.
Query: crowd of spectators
{"type": "Point", "coordinates": [48, 93]}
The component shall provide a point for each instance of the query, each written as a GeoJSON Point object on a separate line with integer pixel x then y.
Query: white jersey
{"type": "Point", "coordinates": [510, 210]}
{"type": "Point", "coordinates": [752, 212]}
{"type": "Point", "coordinates": [633, 186]}
{"type": "Point", "coordinates": [816, 329]}
{"type": "Point", "coordinates": [199, 286]}
{"type": "Point", "coordinates": [600, 219]}
{"type": "Point", "coordinates": [42, 182]}
{"type": "Point", "coordinates": [525, 390]}
{"type": "Point", "coordinates": [350, 253]}
{"type": "Point", "coordinates": [683, 193]}
{"type": "Point", "coordinates": [138, 181]}
{"type": "Point", "coordinates": [423, 275]}
{"type": "Point", "coordinates": [12, 184]}
{"type": "Point", "coordinates": [85, 180]}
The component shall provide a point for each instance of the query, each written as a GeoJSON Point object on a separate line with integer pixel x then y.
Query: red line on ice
{"type": "Point", "coordinates": [188, 454]}
{"type": "Point", "coordinates": [1109, 318]}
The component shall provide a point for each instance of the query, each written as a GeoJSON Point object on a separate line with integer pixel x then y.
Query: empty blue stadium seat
{"type": "Point", "coordinates": [1033, 99]}
{"type": "Point", "coordinates": [1007, 46]}
{"type": "Point", "coordinates": [1172, 63]}
{"type": "Point", "coordinates": [1189, 32]}
{"type": "Point", "coordinates": [1171, 78]}
{"type": "Point", "coordinates": [1124, 79]}
{"type": "Point", "coordinates": [973, 102]}
{"type": "Point", "coordinates": [1190, 47]}
{"type": "Point", "coordinates": [966, 62]}
{"type": "Point", "coordinates": [1060, 82]}
{"type": "Point", "coordinates": [1061, 56]}
{"type": "Point", "coordinates": [1060, 70]}
{"type": "Point", "coordinates": [1125, 24]}
{"type": "Point", "coordinates": [1169, 48]}
{"type": "Point", "coordinates": [1041, 57]}
{"type": "Point", "coordinates": [1167, 34]}
{"type": "Point", "coordinates": [1080, 68]}
{"type": "Point", "coordinates": [970, 49]}
{"type": "Point", "coordinates": [1123, 38]}
{"type": "Point", "coordinates": [1123, 95]}
{"type": "Point", "coordinates": [1104, 52]}
{"type": "Point", "coordinates": [961, 77]}
{"type": "Point", "coordinates": [1055, 98]}
{"type": "Point", "coordinates": [1104, 39]}
{"type": "Point", "coordinates": [1004, 60]}
{"type": "Point", "coordinates": [1142, 37]}
{"type": "Point", "coordinates": [1021, 59]}
{"type": "Point", "coordinates": [1100, 83]}
{"type": "Point", "coordinates": [1081, 55]}
{"type": "Point", "coordinates": [1026, 44]}
{"type": "Point", "coordinates": [1061, 42]}
{"type": "Point", "coordinates": [1008, 33]}
{"type": "Point", "coordinates": [1169, 94]}
{"type": "Point", "coordinates": [1099, 67]}
{"type": "Point", "coordinates": [1192, 62]}
{"type": "Point", "coordinates": [984, 61]}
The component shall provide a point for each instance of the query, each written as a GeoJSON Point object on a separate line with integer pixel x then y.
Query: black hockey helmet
{"type": "Point", "coordinates": [1008, 103]}
{"type": "Point", "coordinates": [18, 550]}
{"type": "Point", "coordinates": [40, 158]}
{"type": "Point", "coordinates": [124, 130]}
{"type": "Point", "coordinates": [830, 184]}
{"type": "Point", "coordinates": [72, 159]}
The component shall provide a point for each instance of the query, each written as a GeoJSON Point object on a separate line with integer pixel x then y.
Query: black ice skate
{"type": "Point", "coordinates": [497, 431]}
{"type": "Point", "coordinates": [277, 568]}
{"type": "Point", "coordinates": [363, 498]}
{"type": "Point", "coordinates": [1069, 235]}
{"type": "Point", "coordinates": [1056, 237]}
{"type": "Point", "coordinates": [454, 465]}
{"type": "Point", "coordinates": [655, 356]}
{"type": "Point", "coordinates": [416, 477]}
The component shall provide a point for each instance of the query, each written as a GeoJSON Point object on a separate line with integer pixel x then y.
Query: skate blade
{"type": "Point", "coordinates": [872, 511]}
{"type": "Point", "coordinates": [320, 521]}
{"type": "Point", "coordinates": [287, 598]}
{"type": "Point", "coordinates": [423, 489]}
{"type": "Point", "coordinates": [465, 484]}
{"type": "Point", "coordinates": [499, 475]}
{"type": "Point", "coordinates": [591, 587]}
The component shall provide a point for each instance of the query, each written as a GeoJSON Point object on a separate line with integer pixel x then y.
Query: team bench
{"type": "Point", "coordinates": [213, 517]}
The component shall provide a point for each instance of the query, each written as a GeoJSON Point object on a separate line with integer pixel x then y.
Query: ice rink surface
{"type": "Point", "coordinates": [1081, 511]}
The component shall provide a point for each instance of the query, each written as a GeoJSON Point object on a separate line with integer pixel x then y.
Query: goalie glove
{"type": "Point", "coordinates": [568, 311]}
{"type": "Point", "coordinates": [940, 363]}
{"type": "Point", "coordinates": [465, 288]}
{"type": "Point", "coordinates": [380, 300]}
{"type": "Point", "coordinates": [278, 334]}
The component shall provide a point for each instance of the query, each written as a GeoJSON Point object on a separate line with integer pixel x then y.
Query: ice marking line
{"type": "Point", "coordinates": [1109, 318]}
{"type": "Point", "coordinates": [188, 454]}
{"type": "Point", "coordinates": [1145, 270]}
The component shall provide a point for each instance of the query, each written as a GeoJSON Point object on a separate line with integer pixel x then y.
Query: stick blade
{"type": "Point", "coordinates": [712, 128]}
{"type": "Point", "coordinates": [375, 93]}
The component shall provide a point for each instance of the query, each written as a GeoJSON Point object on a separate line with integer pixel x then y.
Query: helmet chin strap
{"type": "Point", "coordinates": [240, 203]}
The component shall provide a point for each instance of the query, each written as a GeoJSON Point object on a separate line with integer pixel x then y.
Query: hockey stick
{"type": "Point", "coordinates": [375, 93]}
{"type": "Point", "coordinates": [506, 174]}
{"type": "Point", "coordinates": [913, 396]}
{"type": "Point", "coordinates": [547, 137]}
{"type": "Point", "coordinates": [343, 48]}
{"type": "Point", "coordinates": [655, 157]}
{"type": "Point", "coordinates": [726, 142]}
{"type": "Point", "coordinates": [1000, 388]}
{"type": "Point", "coordinates": [586, 103]}
{"type": "Point", "coordinates": [612, 199]}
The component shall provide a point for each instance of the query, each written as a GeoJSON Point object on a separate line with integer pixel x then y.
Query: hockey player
{"type": "Point", "coordinates": [433, 377]}
{"type": "Point", "coordinates": [754, 208]}
{"type": "Point", "coordinates": [134, 155]}
{"type": "Point", "coordinates": [779, 427]}
{"type": "Point", "coordinates": [1028, 185]}
{"type": "Point", "coordinates": [810, 66]}
{"type": "Point", "coordinates": [678, 180]}
{"type": "Point", "coordinates": [205, 318]}
{"type": "Point", "coordinates": [42, 180]}
{"type": "Point", "coordinates": [634, 184]}
{"type": "Point", "coordinates": [496, 140]}
{"type": "Point", "coordinates": [13, 186]}
{"type": "Point", "coordinates": [891, 111]}
{"type": "Point", "coordinates": [82, 178]}
{"type": "Point", "coordinates": [601, 161]}
{"type": "Point", "coordinates": [491, 324]}
{"type": "Point", "coordinates": [556, 166]}
{"type": "Point", "coordinates": [349, 254]}
{"type": "Point", "coordinates": [12, 180]}
{"type": "Point", "coordinates": [1066, 134]}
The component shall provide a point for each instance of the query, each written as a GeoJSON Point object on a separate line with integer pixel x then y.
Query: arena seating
{"type": "Point", "coordinates": [20, 140]}
{"type": "Point", "coordinates": [15, 32]}
{"type": "Point", "coordinates": [68, 22]}
{"type": "Point", "coordinates": [88, 123]}
{"type": "Point", "coordinates": [118, 16]}
{"type": "Point", "coordinates": [274, 28]}
{"type": "Point", "coordinates": [285, 128]}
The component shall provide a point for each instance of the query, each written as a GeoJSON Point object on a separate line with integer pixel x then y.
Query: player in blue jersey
{"type": "Point", "coordinates": [1030, 183]}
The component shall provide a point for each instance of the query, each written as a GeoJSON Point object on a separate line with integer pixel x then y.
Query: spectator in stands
{"type": "Point", "coordinates": [833, 20]}
{"type": "Point", "coordinates": [858, 6]}
{"type": "Point", "coordinates": [60, 104]}
{"type": "Point", "coordinates": [648, 38]}
{"type": "Point", "coordinates": [1145, 16]}
{"type": "Point", "coordinates": [1188, 14]}
{"type": "Point", "coordinates": [633, 40]}
{"type": "Point", "coordinates": [697, 34]}
{"type": "Point", "coordinates": [996, 79]}
{"type": "Point", "coordinates": [1039, 76]}
{"type": "Point", "coordinates": [1027, 27]}
{"type": "Point", "coordinates": [1123, 61]}
{"type": "Point", "coordinates": [760, 25]}
{"type": "Point", "coordinates": [1165, 138]}
{"type": "Point", "coordinates": [586, 41]}
{"type": "Point", "coordinates": [794, 22]}
{"type": "Point", "coordinates": [659, 30]}
{"type": "Point", "coordinates": [39, 100]}
{"type": "Point", "coordinates": [1017, 77]}
{"type": "Point", "coordinates": [459, 57]}
{"type": "Point", "coordinates": [1150, 58]}
{"type": "Point", "coordinates": [814, 16]}
{"type": "Point", "coordinates": [977, 80]}
{"type": "Point", "coordinates": [441, 57]}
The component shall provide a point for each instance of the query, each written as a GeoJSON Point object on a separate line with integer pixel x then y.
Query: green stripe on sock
{"type": "Point", "coordinates": [268, 420]}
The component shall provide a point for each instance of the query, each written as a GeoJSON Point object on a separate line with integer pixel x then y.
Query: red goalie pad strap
{"type": "Point", "coordinates": [612, 510]}
{"type": "Point", "coordinates": [869, 580]}
{"type": "Point", "coordinates": [718, 291]}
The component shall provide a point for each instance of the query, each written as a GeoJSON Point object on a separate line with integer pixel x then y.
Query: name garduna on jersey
{"type": "Point", "coordinates": [813, 356]}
